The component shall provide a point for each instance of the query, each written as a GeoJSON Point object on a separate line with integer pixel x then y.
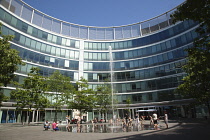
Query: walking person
{"type": "Point", "coordinates": [166, 119]}
{"type": "Point", "coordinates": [155, 118]}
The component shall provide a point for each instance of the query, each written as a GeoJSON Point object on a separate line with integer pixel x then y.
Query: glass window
{"type": "Point", "coordinates": [62, 52]}
{"type": "Point", "coordinates": [95, 56]}
{"type": "Point", "coordinates": [77, 44]}
{"type": "Point", "coordinates": [38, 46]}
{"type": "Point", "coordinates": [99, 46]}
{"type": "Point", "coordinates": [94, 46]}
{"type": "Point", "coordinates": [165, 57]}
{"type": "Point", "coordinates": [99, 56]}
{"type": "Point", "coordinates": [103, 46]}
{"type": "Point", "coordinates": [86, 55]}
{"type": "Point", "coordinates": [8, 18]}
{"type": "Point", "coordinates": [141, 63]}
{"type": "Point", "coordinates": [57, 53]}
{"type": "Point", "coordinates": [72, 43]}
{"type": "Point", "coordinates": [85, 66]}
{"type": "Point", "coordinates": [131, 64]}
{"type": "Point", "coordinates": [48, 49]}
{"type": "Point", "coordinates": [22, 39]}
{"type": "Point", "coordinates": [33, 44]}
{"type": "Point", "coordinates": [39, 34]}
{"type": "Point", "coordinates": [90, 46]}
{"type": "Point", "coordinates": [63, 41]}
{"type": "Point", "coordinates": [44, 35]}
{"type": "Point", "coordinates": [66, 63]}
{"type": "Point", "coordinates": [28, 42]}
{"type": "Point", "coordinates": [14, 21]}
{"type": "Point", "coordinates": [126, 54]}
{"type": "Point", "coordinates": [68, 42]}
{"type": "Point", "coordinates": [30, 29]}
{"type": "Point", "coordinates": [116, 46]}
{"type": "Point", "coordinates": [120, 45]}
{"type": "Point", "coordinates": [90, 66]}
{"type": "Point", "coordinates": [43, 48]}
{"type": "Point", "coordinates": [76, 76]}
{"type": "Point", "coordinates": [154, 49]}
{"type": "Point", "coordinates": [76, 55]}
{"type": "Point", "coordinates": [125, 44]}
{"type": "Point", "coordinates": [54, 39]}
{"type": "Point", "coordinates": [104, 56]}
{"type": "Point", "coordinates": [86, 45]}
{"type": "Point", "coordinates": [53, 50]}
{"type": "Point", "coordinates": [160, 58]}
{"type": "Point", "coordinates": [49, 37]}
{"type": "Point", "coordinates": [168, 44]}
{"type": "Point", "coordinates": [72, 54]}
{"type": "Point", "coordinates": [130, 54]}
{"type": "Point", "coordinates": [67, 55]}
{"type": "Point", "coordinates": [163, 46]}
{"type": "Point", "coordinates": [170, 55]}
{"type": "Point", "coordinates": [183, 38]}
{"type": "Point", "coordinates": [158, 47]}
{"type": "Point", "coordinates": [135, 53]}
{"type": "Point", "coordinates": [90, 56]}
{"type": "Point", "coordinates": [11, 32]}
{"type": "Point", "coordinates": [129, 44]}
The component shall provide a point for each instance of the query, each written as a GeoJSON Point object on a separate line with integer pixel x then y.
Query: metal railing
{"type": "Point", "coordinates": [34, 16]}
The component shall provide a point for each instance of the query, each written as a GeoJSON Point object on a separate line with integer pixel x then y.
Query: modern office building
{"type": "Point", "coordinates": [146, 58]}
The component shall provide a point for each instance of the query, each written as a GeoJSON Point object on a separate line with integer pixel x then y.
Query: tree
{"type": "Point", "coordinates": [83, 98]}
{"type": "Point", "coordinates": [128, 102]}
{"type": "Point", "coordinates": [9, 62]}
{"type": "Point", "coordinates": [62, 90]}
{"type": "Point", "coordinates": [3, 98]}
{"type": "Point", "coordinates": [196, 84]}
{"type": "Point", "coordinates": [104, 98]}
{"type": "Point", "coordinates": [32, 93]}
{"type": "Point", "coordinates": [9, 59]}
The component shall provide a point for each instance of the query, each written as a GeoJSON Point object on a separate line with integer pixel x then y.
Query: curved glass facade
{"type": "Point", "coordinates": [147, 56]}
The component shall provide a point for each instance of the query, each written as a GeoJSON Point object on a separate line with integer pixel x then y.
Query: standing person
{"type": "Point", "coordinates": [166, 119]}
{"type": "Point", "coordinates": [67, 119]}
{"type": "Point", "coordinates": [126, 118]}
{"type": "Point", "coordinates": [155, 118]}
{"type": "Point", "coordinates": [151, 120]}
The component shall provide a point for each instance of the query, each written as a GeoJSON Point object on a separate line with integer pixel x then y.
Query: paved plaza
{"type": "Point", "coordinates": [187, 129]}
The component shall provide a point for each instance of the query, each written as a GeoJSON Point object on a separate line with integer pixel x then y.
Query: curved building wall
{"type": "Point", "coordinates": [147, 56]}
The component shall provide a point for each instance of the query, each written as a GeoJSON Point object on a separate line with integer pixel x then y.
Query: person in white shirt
{"type": "Point", "coordinates": [166, 118]}
{"type": "Point", "coordinates": [155, 118]}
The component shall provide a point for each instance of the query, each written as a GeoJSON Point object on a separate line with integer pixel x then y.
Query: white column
{"type": "Point", "coordinates": [81, 59]}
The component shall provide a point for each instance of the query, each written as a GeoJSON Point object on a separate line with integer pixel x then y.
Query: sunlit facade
{"type": "Point", "coordinates": [147, 57]}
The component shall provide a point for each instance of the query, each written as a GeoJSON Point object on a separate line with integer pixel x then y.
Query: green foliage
{"type": "Point", "coordinates": [84, 98]}
{"type": "Point", "coordinates": [9, 60]}
{"type": "Point", "coordinates": [3, 98]}
{"type": "Point", "coordinates": [104, 97]}
{"type": "Point", "coordinates": [32, 92]}
{"type": "Point", "coordinates": [128, 102]}
{"type": "Point", "coordinates": [196, 84]}
{"type": "Point", "coordinates": [62, 90]}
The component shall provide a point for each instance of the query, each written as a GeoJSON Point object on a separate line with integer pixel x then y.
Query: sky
{"type": "Point", "coordinates": [103, 13]}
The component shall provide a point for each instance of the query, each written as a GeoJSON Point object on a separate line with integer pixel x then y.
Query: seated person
{"type": "Point", "coordinates": [47, 125]}
{"type": "Point", "coordinates": [55, 126]}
